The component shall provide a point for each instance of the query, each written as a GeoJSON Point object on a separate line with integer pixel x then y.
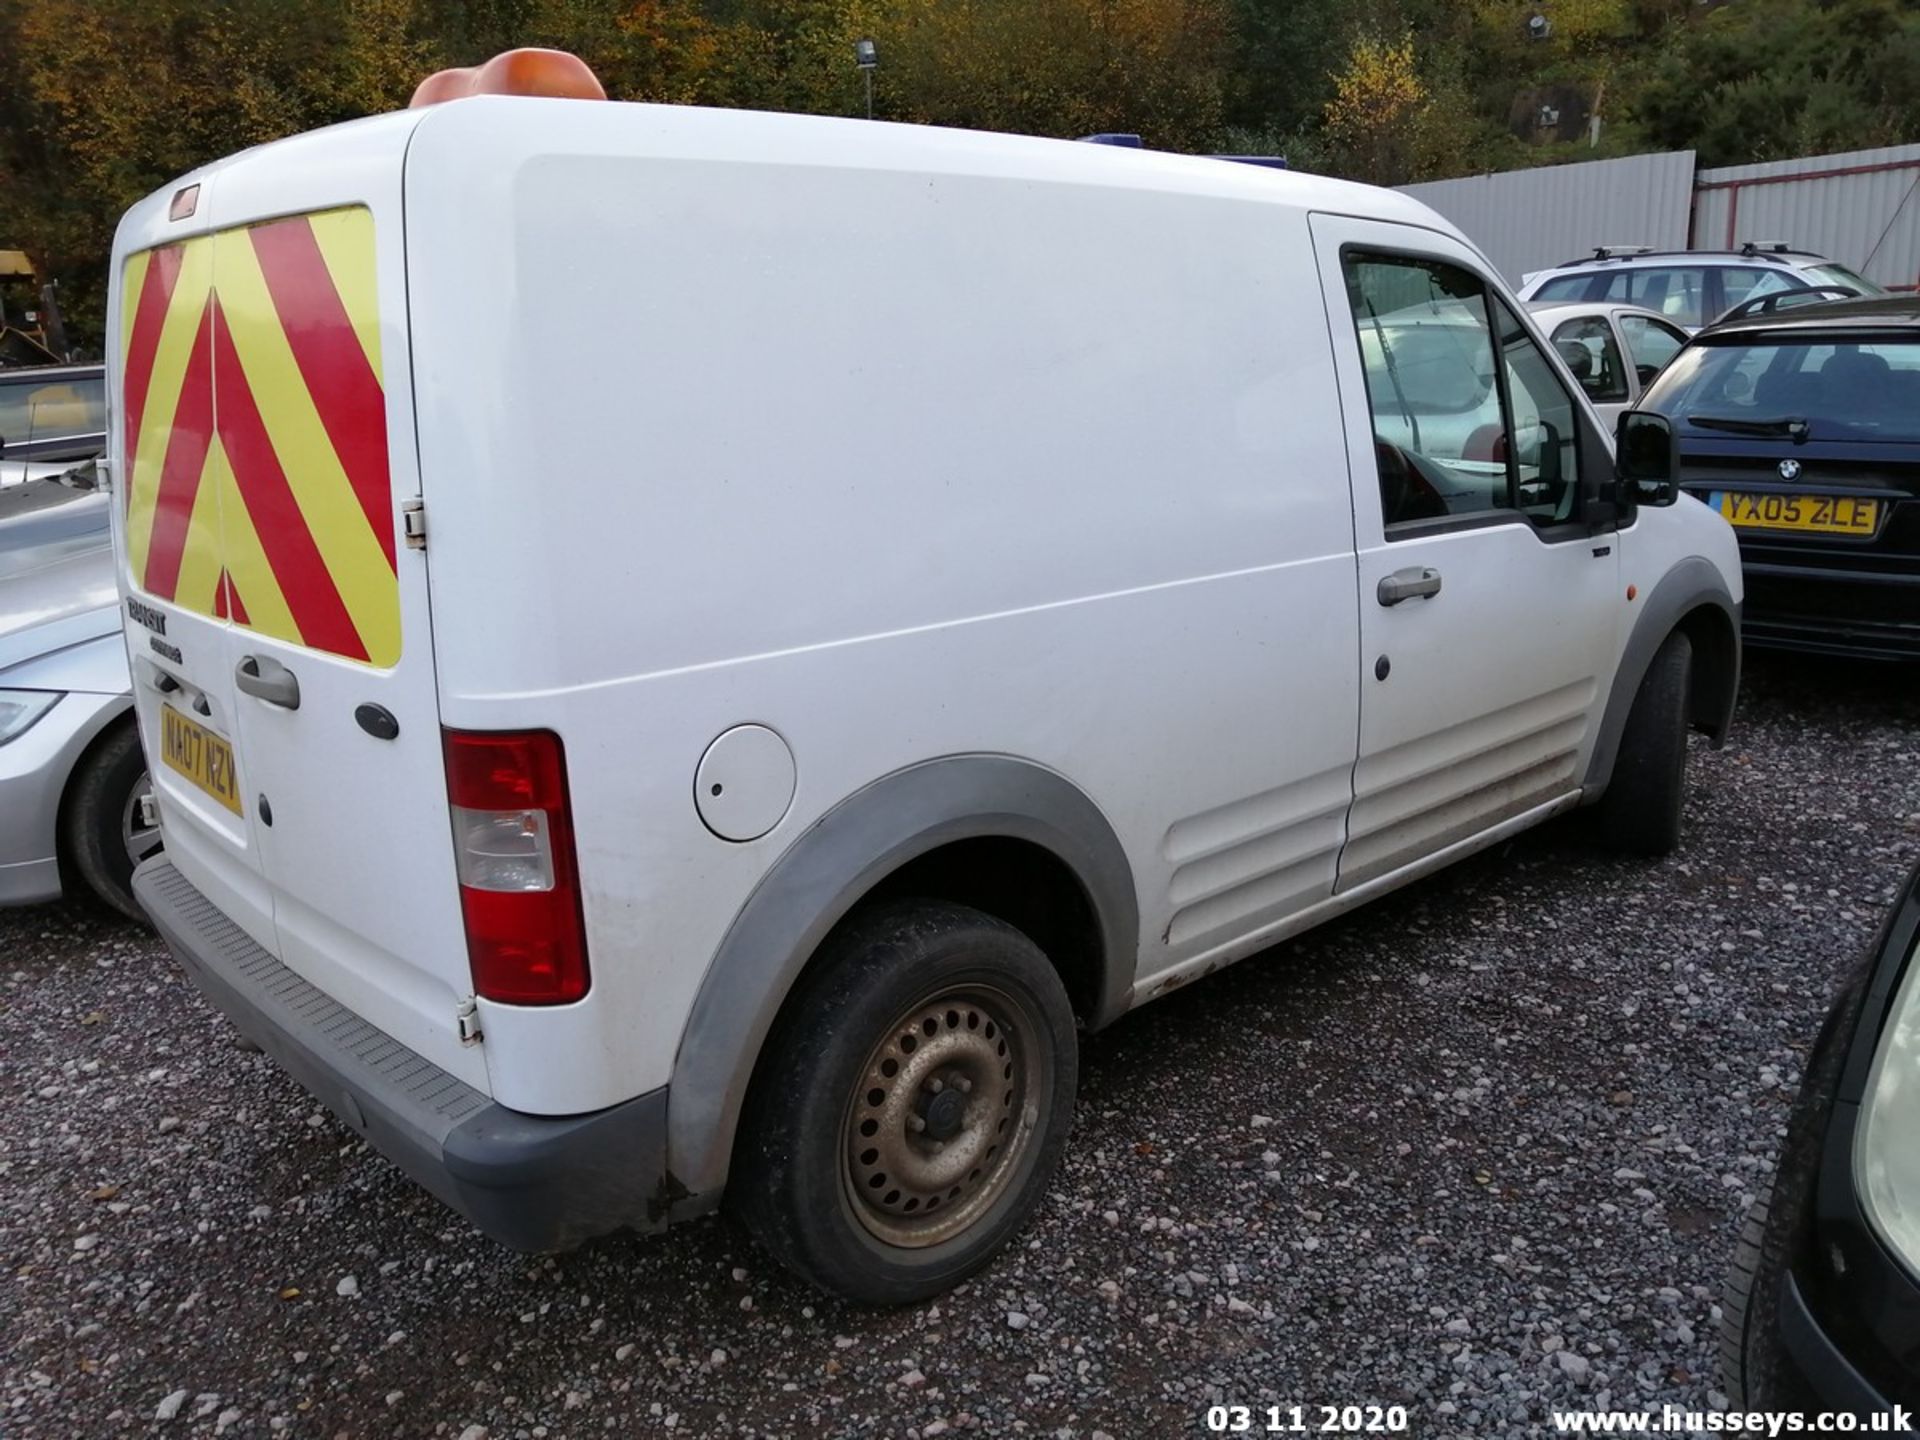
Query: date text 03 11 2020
{"type": "Point", "coordinates": [1307, 1419]}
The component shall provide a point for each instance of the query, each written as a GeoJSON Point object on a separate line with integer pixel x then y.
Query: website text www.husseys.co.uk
{"type": "Point", "coordinates": [1673, 1420]}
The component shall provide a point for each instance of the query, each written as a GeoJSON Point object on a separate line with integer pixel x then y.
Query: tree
{"type": "Point", "coordinates": [1058, 67]}
{"type": "Point", "coordinates": [1387, 124]}
{"type": "Point", "coordinates": [109, 100]}
{"type": "Point", "coordinates": [1281, 59]}
{"type": "Point", "coordinates": [1769, 79]}
{"type": "Point", "coordinates": [119, 96]}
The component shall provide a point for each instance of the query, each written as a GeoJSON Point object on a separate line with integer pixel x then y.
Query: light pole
{"type": "Point", "coordinates": [867, 54]}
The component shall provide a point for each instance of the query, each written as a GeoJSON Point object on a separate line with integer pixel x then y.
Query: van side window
{"type": "Point", "coordinates": [1468, 416]}
{"type": "Point", "coordinates": [1543, 442]}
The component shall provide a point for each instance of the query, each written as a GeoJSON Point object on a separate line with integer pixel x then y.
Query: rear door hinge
{"type": "Point", "coordinates": [466, 1019]}
{"type": "Point", "coordinates": [413, 523]}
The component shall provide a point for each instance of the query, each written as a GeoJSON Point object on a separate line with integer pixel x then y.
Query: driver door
{"type": "Point", "coordinates": [1489, 596]}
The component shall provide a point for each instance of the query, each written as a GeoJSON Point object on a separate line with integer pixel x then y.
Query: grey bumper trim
{"type": "Point", "coordinates": [530, 1182]}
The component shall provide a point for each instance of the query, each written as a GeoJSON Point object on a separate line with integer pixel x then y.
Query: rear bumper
{"type": "Point", "coordinates": [530, 1182]}
{"type": "Point", "coordinates": [1838, 612]}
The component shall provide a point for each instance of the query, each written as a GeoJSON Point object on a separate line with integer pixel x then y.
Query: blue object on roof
{"type": "Point", "coordinates": [1132, 142]}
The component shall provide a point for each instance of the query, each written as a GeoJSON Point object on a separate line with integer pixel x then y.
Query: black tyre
{"type": "Point", "coordinates": [1753, 1361]}
{"type": "Point", "coordinates": [1640, 813]}
{"type": "Point", "coordinates": [106, 819]}
{"type": "Point", "coordinates": [912, 1104]}
{"type": "Point", "coordinates": [1754, 1366]}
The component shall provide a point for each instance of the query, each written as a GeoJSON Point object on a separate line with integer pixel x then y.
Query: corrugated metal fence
{"type": "Point", "coordinates": [1530, 219]}
{"type": "Point", "coordinates": [1861, 208]}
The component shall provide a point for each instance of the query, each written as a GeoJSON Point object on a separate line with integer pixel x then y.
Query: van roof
{"type": "Point", "coordinates": [695, 132]}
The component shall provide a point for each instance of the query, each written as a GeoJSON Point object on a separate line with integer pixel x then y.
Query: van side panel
{"type": "Point", "coordinates": [902, 446]}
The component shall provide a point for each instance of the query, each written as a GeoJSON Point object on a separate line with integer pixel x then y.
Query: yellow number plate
{"type": "Point", "coordinates": [200, 755]}
{"type": "Point", "coordinates": [1821, 514]}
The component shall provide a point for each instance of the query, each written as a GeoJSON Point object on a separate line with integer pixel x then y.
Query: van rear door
{"type": "Point", "coordinates": [326, 679]}
{"type": "Point", "coordinates": [332, 654]}
{"type": "Point", "coordinates": [162, 450]}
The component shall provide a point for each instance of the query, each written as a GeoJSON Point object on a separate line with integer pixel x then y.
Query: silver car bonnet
{"type": "Point", "coordinates": [56, 571]}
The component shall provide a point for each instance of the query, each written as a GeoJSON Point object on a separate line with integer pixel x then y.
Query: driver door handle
{"type": "Point", "coordinates": [1418, 583]}
{"type": "Point", "coordinates": [267, 680]}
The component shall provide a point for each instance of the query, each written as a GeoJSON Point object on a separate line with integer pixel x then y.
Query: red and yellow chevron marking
{"type": "Point", "coordinates": [256, 432]}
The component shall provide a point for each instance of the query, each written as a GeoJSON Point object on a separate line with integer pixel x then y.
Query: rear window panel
{"type": "Point", "coordinates": [1831, 274]}
{"type": "Point", "coordinates": [276, 415]}
{"type": "Point", "coordinates": [1564, 287]}
{"type": "Point", "coordinates": [1740, 283]}
{"type": "Point", "coordinates": [1844, 389]}
{"type": "Point", "coordinates": [1678, 292]}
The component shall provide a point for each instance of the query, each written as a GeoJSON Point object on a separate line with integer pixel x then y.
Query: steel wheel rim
{"type": "Point", "coordinates": [140, 838]}
{"type": "Point", "coordinates": [942, 1114]}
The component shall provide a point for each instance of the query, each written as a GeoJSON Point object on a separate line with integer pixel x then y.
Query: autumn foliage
{"type": "Point", "coordinates": [103, 101]}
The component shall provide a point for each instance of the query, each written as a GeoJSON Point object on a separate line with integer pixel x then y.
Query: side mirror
{"type": "Point", "coordinates": [1646, 459]}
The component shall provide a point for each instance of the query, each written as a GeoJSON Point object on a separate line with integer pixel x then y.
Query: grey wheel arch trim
{"type": "Point", "coordinates": [1689, 586]}
{"type": "Point", "coordinates": [823, 874]}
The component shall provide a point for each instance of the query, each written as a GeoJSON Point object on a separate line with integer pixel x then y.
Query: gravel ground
{"type": "Point", "coordinates": [1480, 1150]}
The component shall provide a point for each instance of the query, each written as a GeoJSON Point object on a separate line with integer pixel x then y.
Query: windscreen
{"type": "Point", "coordinates": [1842, 389]}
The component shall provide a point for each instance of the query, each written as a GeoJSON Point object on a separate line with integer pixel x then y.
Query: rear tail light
{"type": "Point", "coordinates": [513, 849]}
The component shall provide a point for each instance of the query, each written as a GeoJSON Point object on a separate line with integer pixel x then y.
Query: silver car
{"type": "Point", "coordinates": [1690, 288]}
{"type": "Point", "coordinates": [51, 416]}
{"type": "Point", "coordinates": [1614, 351]}
{"type": "Point", "coordinates": [75, 805]}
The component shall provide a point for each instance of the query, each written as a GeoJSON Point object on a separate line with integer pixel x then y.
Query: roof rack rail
{"type": "Point", "coordinates": [1609, 252]}
{"type": "Point", "coordinates": [1770, 247]}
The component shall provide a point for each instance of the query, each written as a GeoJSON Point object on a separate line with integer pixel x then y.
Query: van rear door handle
{"type": "Point", "coordinates": [267, 680]}
{"type": "Point", "coordinates": [1416, 583]}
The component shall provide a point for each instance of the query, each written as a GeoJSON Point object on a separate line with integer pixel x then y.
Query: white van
{"type": "Point", "coordinates": [691, 654]}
